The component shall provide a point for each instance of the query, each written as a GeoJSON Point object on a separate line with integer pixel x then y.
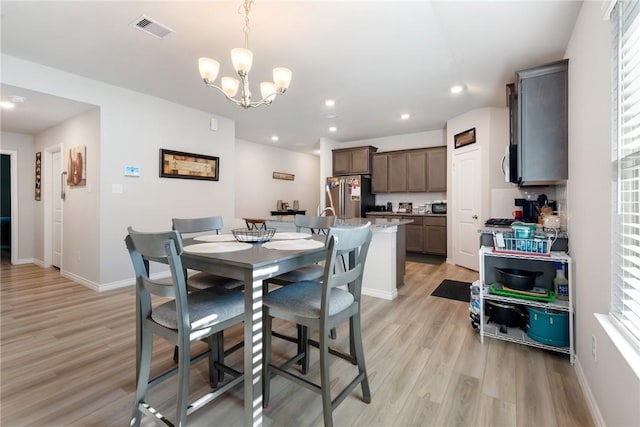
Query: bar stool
{"type": "Point", "coordinates": [255, 224]}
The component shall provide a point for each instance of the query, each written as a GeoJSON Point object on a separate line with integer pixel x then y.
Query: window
{"type": "Point", "coordinates": [625, 297]}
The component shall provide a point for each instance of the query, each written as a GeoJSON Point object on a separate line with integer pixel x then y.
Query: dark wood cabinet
{"type": "Point", "coordinates": [379, 175]}
{"type": "Point", "coordinates": [397, 172]}
{"type": "Point", "coordinates": [435, 235]}
{"type": "Point", "coordinates": [406, 171]}
{"type": "Point", "coordinates": [353, 161]}
{"type": "Point", "coordinates": [417, 171]}
{"type": "Point", "coordinates": [437, 169]}
{"type": "Point", "coordinates": [415, 235]}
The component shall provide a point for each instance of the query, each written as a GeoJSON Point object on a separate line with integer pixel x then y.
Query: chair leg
{"type": "Point", "coordinates": [213, 358]}
{"type": "Point", "coordinates": [266, 356]}
{"type": "Point", "coordinates": [359, 356]}
{"type": "Point", "coordinates": [303, 347]}
{"type": "Point", "coordinates": [143, 377]}
{"type": "Point", "coordinates": [325, 380]}
{"type": "Point", "coordinates": [184, 364]}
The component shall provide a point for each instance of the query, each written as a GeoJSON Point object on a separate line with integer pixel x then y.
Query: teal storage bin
{"type": "Point", "coordinates": [547, 326]}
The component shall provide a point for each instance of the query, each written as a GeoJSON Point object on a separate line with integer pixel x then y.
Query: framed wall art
{"type": "Point", "coordinates": [38, 175]}
{"type": "Point", "coordinates": [177, 164]}
{"type": "Point", "coordinates": [284, 175]}
{"type": "Point", "coordinates": [465, 138]}
{"type": "Point", "coordinates": [77, 166]}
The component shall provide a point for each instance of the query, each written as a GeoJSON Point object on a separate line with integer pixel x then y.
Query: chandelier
{"type": "Point", "coordinates": [242, 59]}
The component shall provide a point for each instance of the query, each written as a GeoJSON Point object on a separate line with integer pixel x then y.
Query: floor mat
{"type": "Point", "coordinates": [453, 289]}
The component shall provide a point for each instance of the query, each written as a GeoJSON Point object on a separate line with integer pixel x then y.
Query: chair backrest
{"type": "Point", "coordinates": [192, 226]}
{"type": "Point", "coordinates": [161, 247]}
{"type": "Point", "coordinates": [316, 224]}
{"type": "Point", "coordinates": [350, 245]}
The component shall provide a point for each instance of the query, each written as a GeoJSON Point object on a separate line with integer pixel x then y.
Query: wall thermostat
{"type": "Point", "coordinates": [131, 171]}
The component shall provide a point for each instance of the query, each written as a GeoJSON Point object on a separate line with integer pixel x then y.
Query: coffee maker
{"type": "Point", "coordinates": [531, 208]}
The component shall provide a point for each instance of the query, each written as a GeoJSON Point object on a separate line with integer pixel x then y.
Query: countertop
{"type": "Point", "coordinates": [375, 222]}
{"type": "Point", "coordinates": [405, 214]}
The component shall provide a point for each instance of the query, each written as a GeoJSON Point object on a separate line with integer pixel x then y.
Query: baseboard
{"type": "Point", "coordinates": [80, 280]}
{"type": "Point", "coordinates": [380, 294]}
{"type": "Point", "coordinates": [586, 390]}
{"type": "Point", "coordinates": [29, 261]}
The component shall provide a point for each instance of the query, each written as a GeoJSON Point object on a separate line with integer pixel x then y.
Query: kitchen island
{"type": "Point", "coordinates": [384, 269]}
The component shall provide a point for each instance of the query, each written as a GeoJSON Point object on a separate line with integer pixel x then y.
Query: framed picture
{"type": "Point", "coordinates": [77, 166]}
{"type": "Point", "coordinates": [38, 175]}
{"type": "Point", "coordinates": [465, 138]}
{"type": "Point", "coordinates": [283, 175]}
{"type": "Point", "coordinates": [176, 164]}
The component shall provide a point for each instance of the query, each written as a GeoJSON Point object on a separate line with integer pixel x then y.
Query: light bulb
{"type": "Point", "coordinates": [268, 91]}
{"type": "Point", "coordinates": [282, 78]}
{"type": "Point", "coordinates": [242, 59]}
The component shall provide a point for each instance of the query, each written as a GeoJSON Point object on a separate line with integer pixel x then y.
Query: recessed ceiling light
{"type": "Point", "coordinates": [333, 129]}
{"type": "Point", "coordinates": [405, 116]}
{"type": "Point", "coordinates": [17, 99]}
{"type": "Point", "coordinates": [274, 138]}
{"type": "Point", "coordinates": [456, 88]}
{"type": "Point", "coordinates": [7, 105]}
{"type": "Point", "coordinates": [330, 102]}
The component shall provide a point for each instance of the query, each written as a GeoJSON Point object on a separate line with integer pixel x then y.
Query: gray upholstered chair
{"type": "Point", "coordinates": [185, 318]}
{"type": "Point", "coordinates": [322, 306]}
{"type": "Point", "coordinates": [192, 227]}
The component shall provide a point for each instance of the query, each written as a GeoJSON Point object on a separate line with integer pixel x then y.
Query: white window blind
{"type": "Point", "coordinates": [625, 297]}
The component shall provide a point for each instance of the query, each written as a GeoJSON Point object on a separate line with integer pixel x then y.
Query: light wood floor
{"type": "Point", "coordinates": [67, 359]}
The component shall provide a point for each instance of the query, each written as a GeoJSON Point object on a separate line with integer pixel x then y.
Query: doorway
{"type": "Point", "coordinates": [9, 206]}
{"type": "Point", "coordinates": [467, 190]}
{"type": "Point", "coordinates": [53, 207]}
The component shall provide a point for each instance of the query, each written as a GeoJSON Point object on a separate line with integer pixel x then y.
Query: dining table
{"type": "Point", "coordinates": [252, 263]}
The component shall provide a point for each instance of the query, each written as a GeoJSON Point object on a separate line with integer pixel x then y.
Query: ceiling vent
{"type": "Point", "coordinates": [149, 26]}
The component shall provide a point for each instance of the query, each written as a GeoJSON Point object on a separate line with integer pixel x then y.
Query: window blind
{"type": "Point", "coordinates": [625, 297]}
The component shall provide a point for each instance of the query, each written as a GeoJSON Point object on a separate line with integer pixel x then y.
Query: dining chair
{"type": "Point", "coordinates": [185, 318]}
{"type": "Point", "coordinates": [314, 225]}
{"type": "Point", "coordinates": [322, 306]}
{"type": "Point", "coordinates": [192, 227]}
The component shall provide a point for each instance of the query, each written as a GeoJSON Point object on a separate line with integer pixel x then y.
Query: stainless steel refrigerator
{"type": "Point", "coordinates": [350, 196]}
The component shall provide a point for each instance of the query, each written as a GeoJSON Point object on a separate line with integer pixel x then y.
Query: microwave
{"type": "Point", "coordinates": [439, 208]}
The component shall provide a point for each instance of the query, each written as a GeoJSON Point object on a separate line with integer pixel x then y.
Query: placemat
{"type": "Point", "coordinates": [211, 248]}
{"type": "Point", "coordinates": [216, 238]}
{"type": "Point", "coordinates": [290, 236]}
{"type": "Point", "coordinates": [293, 245]}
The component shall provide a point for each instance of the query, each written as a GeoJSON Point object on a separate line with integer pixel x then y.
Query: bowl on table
{"type": "Point", "coordinates": [253, 236]}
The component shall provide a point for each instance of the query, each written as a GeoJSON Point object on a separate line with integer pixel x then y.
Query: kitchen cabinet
{"type": "Point", "coordinates": [435, 235]}
{"type": "Point", "coordinates": [355, 160]}
{"type": "Point", "coordinates": [415, 234]}
{"type": "Point", "coordinates": [407, 171]}
{"type": "Point", "coordinates": [490, 260]}
{"type": "Point", "coordinates": [541, 128]}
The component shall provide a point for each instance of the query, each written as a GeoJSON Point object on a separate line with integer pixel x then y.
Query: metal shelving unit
{"type": "Point", "coordinates": [515, 334]}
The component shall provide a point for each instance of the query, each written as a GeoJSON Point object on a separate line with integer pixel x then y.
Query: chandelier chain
{"type": "Point", "coordinates": [246, 8]}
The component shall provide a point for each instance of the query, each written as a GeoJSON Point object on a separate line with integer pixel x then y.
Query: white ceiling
{"type": "Point", "coordinates": [377, 59]}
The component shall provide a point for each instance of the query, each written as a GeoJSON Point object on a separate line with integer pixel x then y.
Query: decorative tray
{"type": "Point", "coordinates": [253, 236]}
{"type": "Point", "coordinates": [498, 289]}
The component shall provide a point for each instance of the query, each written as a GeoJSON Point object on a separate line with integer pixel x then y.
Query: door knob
{"type": "Point", "coordinates": [475, 217]}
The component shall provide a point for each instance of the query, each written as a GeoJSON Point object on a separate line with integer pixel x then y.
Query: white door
{"type": "Point", "coordinates": [467, 189]}
{"type": "Point", "coordinates": [56, 211]}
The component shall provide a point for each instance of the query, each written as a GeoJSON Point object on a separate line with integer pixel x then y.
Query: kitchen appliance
{"type": "Point", "coordinates": [548, 326]}
{"type": "Point", "coordinates": [506, 314]}
{"type": "Point", "coordinates": [389, 207]}
{"type": "Point", "coordinates": [520, 280]}
{"type": "Point", "coordinates": [439, 208]}
{"type": "Point", "coordinates": [350, 196]}
{"type": "Point", "coordinates": [405, 207]}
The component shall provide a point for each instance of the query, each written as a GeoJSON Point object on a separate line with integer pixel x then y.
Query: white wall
{"type": "Point", "coordinates": [133, 127]}
{"type": "Point", "coordinates": [256, 190]}
{"type": "Point", "coordinates": [27, 204]}
{"type": "Point", "coordinates": [81, 242]}
{"type": "Point", "coordinates": [614, 386]}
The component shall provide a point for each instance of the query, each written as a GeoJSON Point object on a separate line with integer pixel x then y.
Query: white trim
{"type": "Point", "coordinates": [47, 192]}
{"type": "Point", "coordinates": [380, 294]}
{"type": "Point", "coordinates": [586, 390]}
{"type": "Point", "coordinates": [624, 343]}
{"type": "Point", "coordinates": [606, 7]}
{"type": "Point", "coordinates": [13, 161]}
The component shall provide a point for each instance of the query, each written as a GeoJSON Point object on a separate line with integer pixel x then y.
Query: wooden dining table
{"type": "Point", "coordinates": [252, 265]}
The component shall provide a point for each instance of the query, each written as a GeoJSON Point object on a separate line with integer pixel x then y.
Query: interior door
{"type": "Point", "coordinates": [56, 238]}
{"type": "Point", "coordinates": [467, 190]}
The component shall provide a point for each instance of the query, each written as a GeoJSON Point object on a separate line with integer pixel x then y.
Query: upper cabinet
{"type": "Point", "coordinates": [406, 171]}
{"type": "Point", "coordinates": [355, 160]}
{"type": "Point", "coordinates": [541, 128]}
